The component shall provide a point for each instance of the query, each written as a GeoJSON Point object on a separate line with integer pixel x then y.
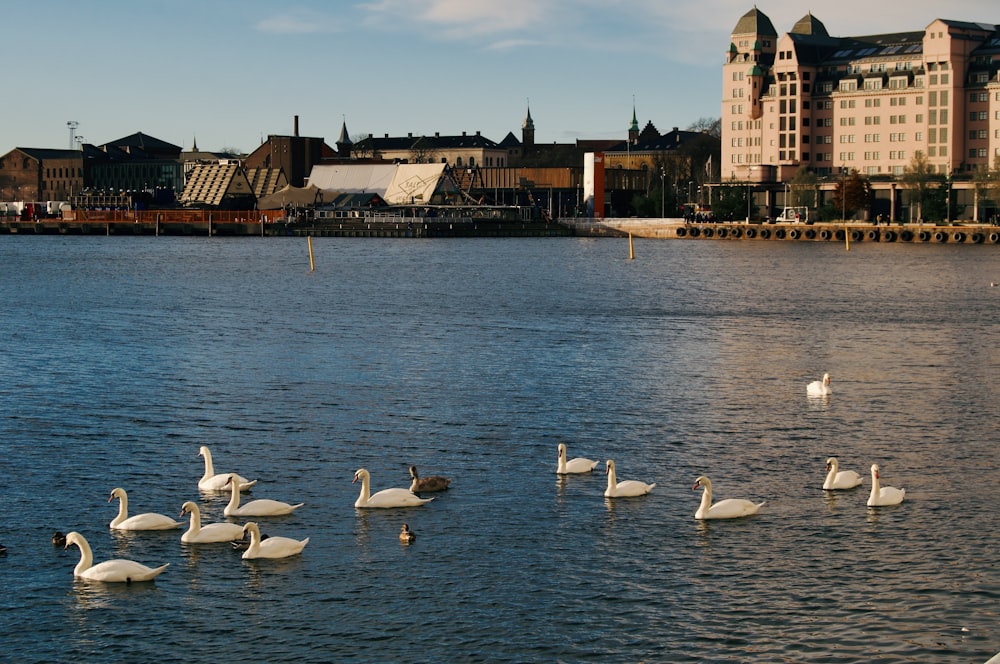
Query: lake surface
{"type": "Point", "coordinates": [474, 359]}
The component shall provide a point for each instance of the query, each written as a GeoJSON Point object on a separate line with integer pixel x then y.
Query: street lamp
{"type": "Point", "coordinates": [663, 193]}
{"type": "Point", "coordinates": [843, 194]}
{"type": "Point", "coordinates": [750, 170]}
{"type": "Point", "coordinates": [948, 218]}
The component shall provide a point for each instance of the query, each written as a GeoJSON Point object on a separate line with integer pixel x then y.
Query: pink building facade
{"type": "Point", "coordinates": [804, 99]}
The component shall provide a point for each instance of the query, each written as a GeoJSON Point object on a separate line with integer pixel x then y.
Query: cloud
{"type": "Point", "coordinates": [297, 23]}
{"type": "Point", "coordinates": [456, 19]}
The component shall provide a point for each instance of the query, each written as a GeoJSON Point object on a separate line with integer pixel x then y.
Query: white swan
{"type": "Point", "coordinates": [212, 481]}
{"type": "Point", "coordinates": [146, 521]}
{"type": "Point", "coordinates": [260, 507]}
{"type": "Point", "coordinates": [819, 388]}
{"type": "Point", "coordinates": [730, 508]}
{"type": "Point", "coordinates": [385, 497]}
{"type": "Point", "coordinates": [210, 532]}
{"type": "Point", "coordinates": [883, 495]}
{"type": "Point", "coordinates": [625, 488]}
{"type": "Point", "coordinates": [839, 479]}
{"type": "Point", "coordinates": [427, 484]}
{"type": "Point", "coordinates": [272, 547]}
{"type": "Point", "coordinates": [114, 571]}
{"type": "Point", "coordinates": [573, 466]}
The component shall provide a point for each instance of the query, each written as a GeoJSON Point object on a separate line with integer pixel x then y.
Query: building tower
{"type": "Point", "coordinates": [528, 130]}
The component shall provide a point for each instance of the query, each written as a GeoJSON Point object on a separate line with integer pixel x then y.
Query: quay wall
{"type": "Point", "coordinates": [818, 232]}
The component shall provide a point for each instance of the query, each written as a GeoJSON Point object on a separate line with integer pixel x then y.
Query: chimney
{"type": "Point", "coordinates": [296, 131]}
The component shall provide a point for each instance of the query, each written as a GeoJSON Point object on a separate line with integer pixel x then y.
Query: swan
{"type": "Point", "coordinates": [211, 481]}
{"type": "Point", "coordinates": [883, 495]}
{"type": "Point", "coordinates": [210, 532]}
{"type": "Point", "coordinates": [819, 388]}
{"type": "Point", "coordinates": [385, 497]}
{"type": "Point", "coordinates": [272, 547]}
{"type": "Point", "coordinates": [260, 507]}
{"type": "Point", "coordinates": [839, 479]}
{"type": "Point", "coordinates": [427, 484]}
{"type": "Point", "coordinates": [625, 488]}
{"type": "Point", "coordinates": [117, 570]}
{"type": "Point", "coordinates": [573, 466]}
{"type": "Point", "coordinates": [146, 521]}
{"type": "Point", "coordinates": [407, 536]}
{"type": "Point", "coordinates": [730, 508]}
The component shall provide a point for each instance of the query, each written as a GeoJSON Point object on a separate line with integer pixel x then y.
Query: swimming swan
{"type": "Point", "coordinates": [819, 388]}
{"type": "Point", "coordinates": [146, 521]}
{"type": "Point", "coordinates": [210, 532]}
{"type": "Point", "coordinates": [427, 484]}
{"type": "Point", "coordinates": [385, 497]}
{"type": "Point", "coordinates": [839, 479]}
{"type": "Point", "coordinates": [573, 466]}
{"type": "Point", "coordinates": [272, 547]}
{"type": "Point", "coordinates": [260, 507]}
{"type": "Point", "coordinates": [883, 495]}
{"type": "Point", "coordinates": [112, 571]}
{"type": "Point", "coordinates": [625, 488]}
{"type": "Point", "coordinates": [211, 481]}
{"type": "Point", "coordinates": [730, 508]}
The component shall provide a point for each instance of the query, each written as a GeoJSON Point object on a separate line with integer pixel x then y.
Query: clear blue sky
{"type": "Point", "coordinates": [230, 72]}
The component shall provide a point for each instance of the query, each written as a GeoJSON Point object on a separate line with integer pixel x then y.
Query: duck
{"type": "Point", "coordinates": [573, 466]}
{"type": "Point", "coordinates": [210, 532]}
{"type": "Point", "coordinates": [625, 488]}
{"type": "Point", "coordinates": [839, 479]}
{"type": "Point", "coordinates": [259, 507]}
{"type": "Point", "coordinates": [396, 497]}
{"type": "Point", "coordinates": [427, 484]}
{"type": "Point", "coordinates": [407, 536]}
{"type": "Point", "coordinates": [111, 571]}
{"type": "Point", "coordinates": [243, 543]}
{"type": "Point", "coordinates": [145, 521]}
{"type": "Point", "coordinates": [58, 539]}
{"type": "Point", "coordinates": [730, 508]}
{"type": "Point", "coordinates": [883, 495]}
{"type": "Point", "coordinates": [272, 547]}
{"type": "Point", "coordinates": [819, 388]}
{"type": "Point", "coordinates": [212, 481]}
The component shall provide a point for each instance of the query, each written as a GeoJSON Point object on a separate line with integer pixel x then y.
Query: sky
{"type": "Point", "coordinates": [228, 73]}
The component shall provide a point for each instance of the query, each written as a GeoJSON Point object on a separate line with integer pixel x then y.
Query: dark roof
{"type": "Point", "coordinates": [436, 142]}
{"type": "Point", "coordinates": [755, 22]}
{"type": "Point", "coordinates": [42, 154]}
{"type": "Point", "coordinates": [510, 141]}
{"type": "Point", "coordinates": [810, 25]}
{"type": "Point", "coordinates": [145, 143]}
{"type": "Point", "coordinates": [657, 143]}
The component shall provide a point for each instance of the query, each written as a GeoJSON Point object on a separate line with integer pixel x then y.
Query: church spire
{"type": "Point", "coordinates": [633, 129]}
{"type": "Point", "coordinates": [528, 129]}
{"type": "Point", "coordinates": [344, 143]}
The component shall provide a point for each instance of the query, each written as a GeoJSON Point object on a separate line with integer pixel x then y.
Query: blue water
{"type": "Point", "coordinates": [119, 357]}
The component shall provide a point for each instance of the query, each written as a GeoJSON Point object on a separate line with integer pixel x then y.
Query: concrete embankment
{"type": "Point", "coordinates": [819, 232]}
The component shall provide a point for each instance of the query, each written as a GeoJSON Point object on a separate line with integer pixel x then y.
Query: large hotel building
{"type": "Point", "coordinates": [805, 99]}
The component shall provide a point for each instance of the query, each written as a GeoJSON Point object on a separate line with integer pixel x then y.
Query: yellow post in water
{"type": "Point", "coordinates": [312, 263]}
{"type": "Point", "coordinates": [631, 249]}
{"type": "Point", "coordinates": [847, 238]}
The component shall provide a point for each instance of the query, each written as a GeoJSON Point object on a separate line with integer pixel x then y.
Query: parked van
{"type": "Point", "coordinates": [794, 214]}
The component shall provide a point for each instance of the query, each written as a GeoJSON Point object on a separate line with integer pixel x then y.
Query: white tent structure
{"type": "Point", "coordinates": [397, 184]}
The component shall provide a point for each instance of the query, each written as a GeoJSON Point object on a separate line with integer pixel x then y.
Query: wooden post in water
{"type": "Point", "coordinates": [312, 263]}
{"type": "Point", "coordinates": [631, 248]}
{"type": "Point", "coordinates": [847, 238]}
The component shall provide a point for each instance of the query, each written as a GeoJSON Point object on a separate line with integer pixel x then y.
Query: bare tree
{"type": "Point", "coordinates": [711, 126]}
{"type": "Point", "coordinates": [918, 179]}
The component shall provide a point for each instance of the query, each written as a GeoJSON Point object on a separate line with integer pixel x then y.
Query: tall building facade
{"type": "Point", "coordinates": [804, 99]}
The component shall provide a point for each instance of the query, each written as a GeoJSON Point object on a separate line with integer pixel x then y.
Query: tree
{"type": "Point", "coordinates": [986, 182]}
{"type": "Point", "coordinates": [853, 194]}
{"type": "Point", "coordinates": [802, 189]}
{"type": "Point", "coordinates": [711, 126]}
{"type": "Point", "coordinates": [730, 202]}
{"type": "Point", "coordinates": [919, 180]}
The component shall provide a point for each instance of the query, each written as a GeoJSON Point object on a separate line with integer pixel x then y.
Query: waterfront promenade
{"type": "Point", "coordinates": [263, 224]}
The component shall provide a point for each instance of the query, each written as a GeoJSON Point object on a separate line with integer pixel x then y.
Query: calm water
{"type": "Point", "coordinates": [474, 359]}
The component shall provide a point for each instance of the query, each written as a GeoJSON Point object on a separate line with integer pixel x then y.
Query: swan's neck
{"type": "Point", "coordinates": [234, 496]}
{"type": "Point", "coordinates": [612, 478]}
{"type": "Point", "coordinates": [195, 521]}
{"type": "Point", "coordinates": [706, 498]}
{"type": "Point", "coordinates": [365, 489]}
{"type": "Point", "coordinates": [122, 510]}
{"type": "Point", "coordinates": [562, 460]}
{"type": "Point", "coordinates": [86, 557]}
{"type": "Point", "coordinates": [209, 468]}
{"type": "Point", "coordinates": [254, 547]}
{"type": "Point", "coordinates": [832, 475]}
{"type": "Point", "coordinates": [876, 486]}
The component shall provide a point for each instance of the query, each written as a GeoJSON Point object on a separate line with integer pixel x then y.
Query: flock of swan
{"type": "Point", "coordinates": [120, 570]}
{"type": "Point", "coordinates": [128, 571]}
